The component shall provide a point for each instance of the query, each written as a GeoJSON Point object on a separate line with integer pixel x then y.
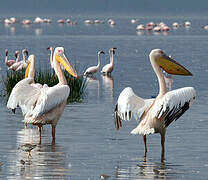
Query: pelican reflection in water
{"type": "Point", "coordinates": [145, 169]}
{"type": "Point", "coordinates": [41, 104]}
{"type": "Point", "coordinates": [46, 157]}
{"type": "Point", "coordinates": [155, 114]}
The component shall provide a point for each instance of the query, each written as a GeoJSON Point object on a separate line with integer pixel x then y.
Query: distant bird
{"type": "Point", "coordinates": [111, 22]}
{"type": "Point", "coordinates": [93, 69]}
{"type": "Point", "coordinates": [41, 104]}
{"type": "Point", "coordinates": [156, 114]}
{"type": "Point", "coordinates": [11, 62]}
{"type": "Point", "coordinates": [27, 148]}
{"type": "Point", "coordinates": [61, 21]}
{"type": "Point", "coordinates": [108, 68]}
{"type": "Point", "coordinates": [26, 21]}
{"type": "Point", "coordinates": [20, 64]}
{"type": "Point", "coordinates": [38, 20]}
{"type": "Point", "coordinates": [187, 24]}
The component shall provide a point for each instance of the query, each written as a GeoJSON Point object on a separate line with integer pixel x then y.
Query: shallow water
{"type": "Point", "coordinates": [87, 144]}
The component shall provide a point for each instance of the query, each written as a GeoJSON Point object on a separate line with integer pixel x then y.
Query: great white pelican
{"type": "Point", "coordinates": [155, 114]}
{"type": "Point", "coordinates": [41, 104]}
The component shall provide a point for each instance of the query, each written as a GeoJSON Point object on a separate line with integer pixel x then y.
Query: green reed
{"type": "Point", "coordinates": [47, 76]}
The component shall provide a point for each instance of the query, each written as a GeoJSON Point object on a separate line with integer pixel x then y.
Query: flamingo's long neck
{"type": "Point", "coordinates": [24, 58]}
{"type": "Point", "coordinates": [6, 58]}
{"type": "Point", "coordinates": [17, 59]}
{"type": "Point", "coordinates": [160, 77]}
{"type": "Point", "coordinates": [59, 72]}
{"type": "Point", "coordinates": [98, 65]}
{"type": "Point", "coordinates": [111, 58]}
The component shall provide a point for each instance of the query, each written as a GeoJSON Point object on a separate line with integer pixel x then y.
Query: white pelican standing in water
{"type": "Point", "coordinates": [108, 68]}
{"type": "Point", "coordinates": [42, 104]}
{"type": "Point", "coordinates": [93, 69]}
{"type": "Point", "coordinates": [19, 65]}
{"type": "Point", "coordinates": [156, 114]}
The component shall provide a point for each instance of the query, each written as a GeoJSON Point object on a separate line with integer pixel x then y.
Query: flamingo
{"type": "Point", "coordinates": [108, 68]}
{"type": "Point", "coordinates": [20, 64]}
{"type": "Point", "coordinates": [93, 69]}
{"type": "Point", "coordinates": [11, 62]}
{"type": "Point", "coordinates": [156, 114]}
{"type": "Point", "coordinates": [41, 104]}
{"type": "Point", "coordinates": [51, 56]}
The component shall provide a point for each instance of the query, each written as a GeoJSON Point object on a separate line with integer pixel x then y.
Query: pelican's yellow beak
{"type": "Point", "coordinates": [171, 66]}
{"type": "Point", "coordinates": [63, 60]}
{"type": "Point", "coordinates": [27, 70]}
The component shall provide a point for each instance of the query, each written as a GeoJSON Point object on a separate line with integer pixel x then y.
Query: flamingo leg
{"type": "Point", "coordinates": [163, 147]}
{"type": "Point", "coordinates": [145, 145]}
{"type": "Point", "coordinates": [40, 129]}
{"type": "Point", "coordinates": [53, 134]}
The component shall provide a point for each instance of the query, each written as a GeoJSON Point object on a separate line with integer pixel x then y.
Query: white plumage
{"type": "Point", "coordinates": [41, 104]}
{"type": "Point", "coordinates": [155, 114]}
{"type": "Point", "coordinates": [50, 97]}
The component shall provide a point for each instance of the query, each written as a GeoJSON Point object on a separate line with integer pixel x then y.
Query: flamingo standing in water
{"type": "Point", "coordinates": [156, 114]}
{"type": "Point", "coordinates": [108, 68]}
{"type": "Point", "coordinates": [20, 64]}
{"type": "Point", "coordinates": [41, 104]}
{"type": "Point", "coordinates": [11, 62]}
{"type": "Point", "coordinates": [93, 69]}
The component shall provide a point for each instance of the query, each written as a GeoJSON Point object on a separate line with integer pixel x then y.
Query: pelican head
{"type": "Point", "coordinates": [168, 64]}
{"type": "Point", "coordinates": [30, 71]}
{"type": "Point", "coordinates": [112, 50]}
{"type": "Point", "coordinates": [60, 57]}
{"type": "Point", "coordinates": [101, 52]}
{"type": "Point", "coordinates": [25, 51]}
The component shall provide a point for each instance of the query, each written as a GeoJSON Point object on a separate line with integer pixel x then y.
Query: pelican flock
{"type": "Point", "coordinates": [93, 69]}
{"type": "Point", "coordinates": [155, 114]}
{"type": "Point", "coordinates": [108, 68]}
{"type": "Point", "coordinates": [41, 104]}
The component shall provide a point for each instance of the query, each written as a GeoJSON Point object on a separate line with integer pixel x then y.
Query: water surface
{"type": "Point", "coordinates": [87, 144]}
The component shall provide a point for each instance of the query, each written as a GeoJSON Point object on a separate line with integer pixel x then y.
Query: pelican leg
{"type": "Point", "coordinates": [145, 145]}
{"type": "Point", "coordinates": [39, 129]}
{"type": "Point", "coordinates": [163, 147]}
{"type": "Point", "coordinates": [53, 134]}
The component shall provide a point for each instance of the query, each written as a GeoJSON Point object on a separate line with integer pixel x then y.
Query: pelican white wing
{"type": "Point", "coordinates": [49, 98]}
{"type": "Point", "coordinates": [128, 104]}
{"type": "Point", "coordinates": [24, 95]}
{"type": "Point", "coordinates": [173, 104]}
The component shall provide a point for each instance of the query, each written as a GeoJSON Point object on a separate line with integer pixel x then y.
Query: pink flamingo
{"type": "Point", "coordinates": [20, 64]}
{"type": "Point", "coordinates": [11, 62]}
{"type": "Point", "coordinates": [93, 69]}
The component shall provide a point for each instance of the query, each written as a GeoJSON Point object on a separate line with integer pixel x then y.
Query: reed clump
{"type": "Point", "coordinates": [46, 76]}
